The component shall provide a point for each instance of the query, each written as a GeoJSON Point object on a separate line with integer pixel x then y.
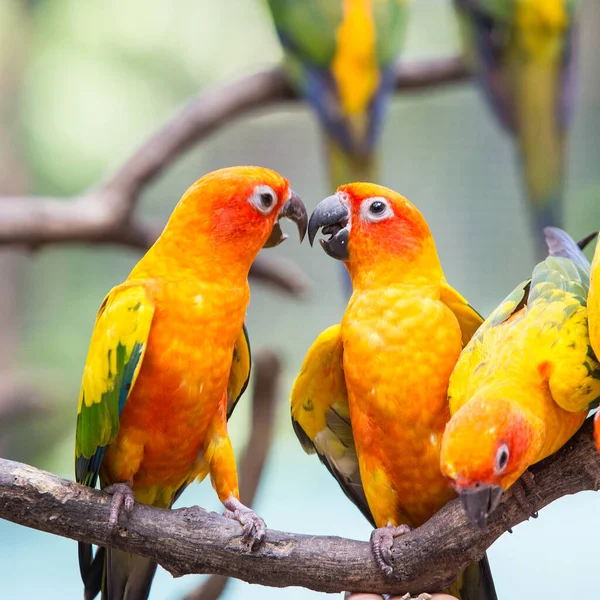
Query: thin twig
{"type": "Point", "coordinates": [191, 540]}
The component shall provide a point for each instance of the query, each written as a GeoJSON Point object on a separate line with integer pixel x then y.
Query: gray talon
{"type": "Point", "coordinates": [122, 498]}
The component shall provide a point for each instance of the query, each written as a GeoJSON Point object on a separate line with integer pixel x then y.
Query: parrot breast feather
{"type": "Point", "coordinates": [321, 415]}
{"type": "Point", "coordinates": [113, 362]}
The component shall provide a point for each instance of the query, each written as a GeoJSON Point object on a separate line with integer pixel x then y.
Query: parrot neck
{"type": "Point", "coordinates": [176, 255]}
{"type": "Point", "coordinates": [419, 267]}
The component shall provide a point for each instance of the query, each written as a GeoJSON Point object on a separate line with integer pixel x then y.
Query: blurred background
{"type": "Point", "coordinates": [83, 84]}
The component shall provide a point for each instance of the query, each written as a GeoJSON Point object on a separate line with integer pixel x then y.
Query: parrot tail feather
{"type": "Point", "coordinates": [560, 243]}
{"type": "Point", "coordinates": [91, 568]}
{"type": "Point", "coordinates": [127, 576]}
{"type": "Point", "coordinates": [475, 583]}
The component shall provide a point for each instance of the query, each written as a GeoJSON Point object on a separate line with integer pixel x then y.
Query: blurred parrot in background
{"type": "Point", "coordinates": [169, 358]}
{"type": "Point", "coordinates": [594, 322]}
{"type": "Point", "coordinates": [371, 397]}
{"type": "Point", "coordinates": [525, 382]}
{"type": "Point", "coordinates": [524, 53]}
{"type": "Point", "coordinates": [340, 56]}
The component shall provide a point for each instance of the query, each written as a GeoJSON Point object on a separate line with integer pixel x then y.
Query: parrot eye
{"type": "Point", "coordinates": [264, 199]}
{"type": "Point", "coordinates": [376, 209]}
{"type": "Point", "coordinates": [502, 456]}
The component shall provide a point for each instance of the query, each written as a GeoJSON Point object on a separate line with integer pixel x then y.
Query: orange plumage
{"type": "Point", "coordinates": [169, 352]}
{"type": "Point", "coordinates": [371, 398]}
{"type": "Point", "coordinates": [396, 384]}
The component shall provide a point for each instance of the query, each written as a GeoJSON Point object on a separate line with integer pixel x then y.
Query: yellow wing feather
{"type": "Point", "coordinates": [321, 415]}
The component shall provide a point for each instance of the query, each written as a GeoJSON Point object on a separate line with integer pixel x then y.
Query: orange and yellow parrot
{"type": "Point", "coordinates": [524, 383]}
{"type": "Point", "coordinates": [169, 358]}
{"type": "Point", "coordinates": [371, 397]}
{"type": "Point", "coordinates": [594, 322]}
{"type": "Point", "coordinates": [524, 55]}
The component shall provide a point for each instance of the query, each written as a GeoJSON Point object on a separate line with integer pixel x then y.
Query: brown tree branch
{"type": "Point", "coordinates": [266, 377]}
{"type": "Point", "coordinates": [104, 215]}
{"type": "Point", "coordinates": [192, 540]}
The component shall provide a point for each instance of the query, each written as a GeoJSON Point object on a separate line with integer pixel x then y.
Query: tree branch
{"type": "Point", "coordinates": [267, 369]}
{"type": "Point", "coordinates": [195, 541]}
{"type": "Point", "coordinates": [104, 215]}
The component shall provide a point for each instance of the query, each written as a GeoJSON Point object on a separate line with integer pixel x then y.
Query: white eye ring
{"type": "Point", "coordinates": [264, 199]}
{"type": "Point", "coordinates": [375, 209]}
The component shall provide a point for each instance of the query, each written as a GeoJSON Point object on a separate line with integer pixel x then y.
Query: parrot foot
{"type": "Point", "coordinates": [423, 596]}
{"type": "Point", "coordinates": [122, 496]}
{"type": "Point", "coordinates": [382, 540]}
{"type": "Point", "coordinates": [254, 527]}
{"type": "Point", "coordinates": [524, 488]}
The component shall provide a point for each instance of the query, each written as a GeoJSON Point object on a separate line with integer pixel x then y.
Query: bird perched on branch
{"type": "Point", "coordinates": [525, 382]}
{"type": "Point", "coordinates": [371, 397]}
{"type": "Point", "coordinates": [168, 360]}
{"type": "Point", "coordinates": [340, 56]}
{"type": "Point", "coordinates": [523, 53]}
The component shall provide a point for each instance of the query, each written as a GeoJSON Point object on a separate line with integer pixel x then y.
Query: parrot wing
{"type": "Point", "coordinates": [559, 291]}
{"type": "Point", "coordinates": [321, 415]}
{"type": "Point", "coordinates": [240, 370]}
{"type": "Point", "coordinates": [468, 318]}
{"type": "Point", "coordinates": [113, 363]}
{"type": "Point", "coordinates": [468, 374]}
{"type": "Point", "coordinates": [307, 28]}
{"type": "Point", "coordinates": [555, 298]}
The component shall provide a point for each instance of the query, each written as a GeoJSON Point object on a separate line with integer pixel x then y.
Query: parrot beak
{"type": "Point", "coordinates": [333, 216]}
{"type": "Point", "coordinates": [479, 503]}
{"type": "Point", "coordinates": [294, 210]}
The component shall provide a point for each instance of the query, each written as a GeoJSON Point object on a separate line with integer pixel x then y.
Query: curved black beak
{"type": "Point", "coordinates": [294, 210]}
{"type": "Point", "coordinates": [479, 502]}
{"type": "Point", "coordinates": [332, 216]}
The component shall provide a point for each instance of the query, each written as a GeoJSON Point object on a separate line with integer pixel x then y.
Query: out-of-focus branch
{"type": "Point", "coordinates": [105, 215]}
{"type": "Point", "coordinates": [192, 540]}
{"type": "Point", "coordinates": [266, 376]}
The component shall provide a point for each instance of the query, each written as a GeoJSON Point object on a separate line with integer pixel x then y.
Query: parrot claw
{"type": "Point", "coordinates": [254, 527]}
{"type": "Point", "coordinates": [122, 497]}
{"type": "Point", "coordinates": [382, 540]}
{"type": "Point", "coordinates": [523, 488]}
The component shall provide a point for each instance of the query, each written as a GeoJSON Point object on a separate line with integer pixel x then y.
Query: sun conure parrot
{"type": "Point", "coordinates": [523, 53]}
{"type": "Point", "coordinates": [371, 397]}
{"type": "Point", "coordinates": [339, 56]}
{"type": "Point", "coordinates": [594, 322]}
{"type": "Point", "coordinates": [169, 358]}
{"type": "Point", "coordinates": [525, 382]}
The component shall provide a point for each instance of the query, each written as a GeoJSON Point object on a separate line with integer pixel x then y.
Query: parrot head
{"type": "Point", "coordinates": [381, 237]}
{"type": "Point", "coordinates": [233, 213]}
{"type": "Point", "coordinates": [487, 445]}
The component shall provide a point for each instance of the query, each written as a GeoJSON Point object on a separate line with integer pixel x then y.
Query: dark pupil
{"type": "Point", "coordinates": [502, 459]}
{"type": "Point", "coordinates": [266, 199]}
{"type": "Point", "coordinates": [377, 208]}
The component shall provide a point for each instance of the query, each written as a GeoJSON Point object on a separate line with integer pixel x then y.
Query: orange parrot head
{"type": "Point", "coordinates": [380, 236]}
{"type": "Point", "coordinates": [487, 445]}
{"type": "Point", "coordinates": [232, 213]}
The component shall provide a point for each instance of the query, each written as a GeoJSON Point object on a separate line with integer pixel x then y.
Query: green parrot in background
{"type": "Point", "coordinates": [523, 53]}
{"type": "Point", "coordinates": [340, 56]}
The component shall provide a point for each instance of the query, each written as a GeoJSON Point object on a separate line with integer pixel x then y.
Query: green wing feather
{"type": "Point", "coordinates": [113, 363]}
{"type": "Point", "coordinates": [240, 370]}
